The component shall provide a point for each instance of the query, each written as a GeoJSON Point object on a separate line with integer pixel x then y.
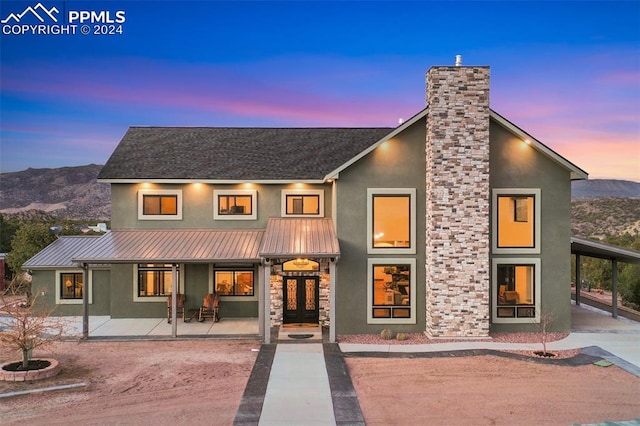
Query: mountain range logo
{"type": "Point", "coordinates": [38, 11]}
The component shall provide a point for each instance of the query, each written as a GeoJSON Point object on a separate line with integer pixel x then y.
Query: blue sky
{"type": "Point", "coordinates": [566, 72]}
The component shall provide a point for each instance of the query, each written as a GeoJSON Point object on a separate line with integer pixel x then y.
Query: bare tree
{"type": "Point", "coordinates": [26, 323]}
{"type": "Point", "coordinates": [546, 319]}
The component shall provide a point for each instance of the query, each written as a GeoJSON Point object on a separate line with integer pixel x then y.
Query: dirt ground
{"type": "Point", "coordinates": [175, 383]}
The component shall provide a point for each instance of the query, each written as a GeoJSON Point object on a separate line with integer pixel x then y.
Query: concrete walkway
{"type": "Point", "coordinates": [298, 392]}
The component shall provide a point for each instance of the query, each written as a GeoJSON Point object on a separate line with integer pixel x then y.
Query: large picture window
{"type": "Point", "coordinates": [155, 280]}
{"type": "Point", "coordinates": [158, 204]}
{"type": "Point", "coordinates": [516, 290]}
{"type": "Point", "coordinates": [235, 204]}
{"type": "Point", "coordinates": [234, 283]}
{"type": "Point", "coordinates": [516, 221]}
{"type": "Point", "coordinates": [391, 220]}
{"type": "Point", "coordinates": [391, 291]}
{"type": "Point", "coordinates": [303, 203]}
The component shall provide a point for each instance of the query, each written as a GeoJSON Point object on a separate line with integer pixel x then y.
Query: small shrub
{"type": "Point", "coordinates": [386, 334]}
{"type": "Point", "coordinates": [402, 336]}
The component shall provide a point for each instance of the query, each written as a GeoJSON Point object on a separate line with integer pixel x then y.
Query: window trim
{"type": "Point", "coordinates": [59, 299]}
{"type": "Point", "coordinates": [137, 298]}
{"type": "Point", "coordinates": [170, 192]}
{"type": "Point", "coordinates": [286, 192]}
{"type": "Point", "coordinates": [371, 192]}
{"type": "Point", "coordinates": [256, 280]}
{"type": "Point", "coordinates": [241, 192]}
{"type": "Point", "coordinates": [537, 201]}
{"type": "Point", "coordinates": [371, 262]}
{"type": "Point", "coordinates": [537, 280]}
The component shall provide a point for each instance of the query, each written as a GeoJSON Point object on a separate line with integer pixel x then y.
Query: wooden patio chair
{"type": "Point", "coordinates": [180, 308]}
{"type": "Point", "coordinates": [209, 308]}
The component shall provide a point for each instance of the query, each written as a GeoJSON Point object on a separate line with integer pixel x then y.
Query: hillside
{"type": "Point", "coordinates": [66, 193]}
{"type": "Point", "coordinates": [604, 188]}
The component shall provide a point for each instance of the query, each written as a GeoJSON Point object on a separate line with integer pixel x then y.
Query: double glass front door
{"type": "Point", "coordinates": [300, 300]}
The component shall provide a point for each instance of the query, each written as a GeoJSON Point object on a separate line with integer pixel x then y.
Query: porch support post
{"type": "Point", "coordinates": [174, 300]}
{"type": "Point", "coordinates": [261, 295]}
{"type": "Point", "coordinates": [85, 301]}
{"type": "Point", "coordinates": [267, 302]}
{"type": "Point", "coordinates": [614, 288]}
{"type": "Point", "coordinates": [332, 300]}
{"type": "Point", "coordinates": [578, 280]}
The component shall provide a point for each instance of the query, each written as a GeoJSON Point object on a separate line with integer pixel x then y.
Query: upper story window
{"type": "Point", "coordinates": [303, 203]}
{"type": "Point", "coordinates": [391, 220]}
{"type": "Point", "coordinates": [159, 204]}
{"type": "Point", "coordinates": [240, 204]}
{"type": "Point", "coordinates": [516, 221]}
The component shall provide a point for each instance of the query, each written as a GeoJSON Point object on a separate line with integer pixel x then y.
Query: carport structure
{"type": "Point", "coordinates": [584, 247]}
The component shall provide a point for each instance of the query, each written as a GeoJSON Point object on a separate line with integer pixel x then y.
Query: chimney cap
{"type": "Point", "coordinates": [458, 60]}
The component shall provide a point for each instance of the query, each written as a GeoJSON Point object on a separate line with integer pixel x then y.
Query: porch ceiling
{"type": "Point", "coordinates": [173, 246]}
{"type": "Point", "coordinates": [300, 237]}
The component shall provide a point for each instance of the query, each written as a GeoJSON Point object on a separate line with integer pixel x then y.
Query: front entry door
{"type": "Point", "coordinates": [301, 300]}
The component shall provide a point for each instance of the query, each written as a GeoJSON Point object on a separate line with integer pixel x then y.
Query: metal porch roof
{"type": "Point", "coordinates": [59, 253]}
{"type": "Point", "coordinates": [597, 249]}
{"type": "Point", "coordinates": [300, 237]}
{"type": "Point", "coordinates": [173, 246]}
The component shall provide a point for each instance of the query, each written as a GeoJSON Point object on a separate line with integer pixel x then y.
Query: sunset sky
{"type": "Point", "coordinates": [568, 73]}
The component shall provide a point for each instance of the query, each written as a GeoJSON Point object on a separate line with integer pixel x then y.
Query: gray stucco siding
{"type": "Point", "coordinates": [398, 164]}
{"type": "Point", "coordinates": [197, 206]}
{"type": "Point", "coordinates": [514, 164]}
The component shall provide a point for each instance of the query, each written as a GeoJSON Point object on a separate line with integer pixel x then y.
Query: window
{"type": "Point", "coordinates": [234, 283]}
{"type": "Point", "coordinates": [302, 203]}
{"type": "Point", "coordinates": [391, 291]}
{"type": "Point", "coordinates": [516, 221]}
{"type": "Point", "coordinates": [155, 281]}
{"type": "Point", "coordinates": [71, 285]}
{"type": "Point", "coordinates": [516, 290]}
{"type": "Point", "coordinates": [391, 221]}
{"type": "Point", "coordinates": [159, 204]}
{"type": "Point", "coordinates": [235, 205]}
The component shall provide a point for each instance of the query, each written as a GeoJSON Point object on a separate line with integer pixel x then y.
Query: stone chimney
{"type": "Point", "coordinates": [457, 202]}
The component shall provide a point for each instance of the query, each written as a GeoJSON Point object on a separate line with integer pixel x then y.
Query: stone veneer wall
{"type": "Point", "coordinates": [458, 199]}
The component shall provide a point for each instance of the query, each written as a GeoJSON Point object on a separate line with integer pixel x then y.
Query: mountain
{"type": "Point", "coordinates": [66, 193]}
{"type": "Point", "coordinates": [603, 188]}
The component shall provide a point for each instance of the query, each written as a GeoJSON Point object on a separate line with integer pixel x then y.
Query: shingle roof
{"type": "Point", "coordinates": [229, 153]}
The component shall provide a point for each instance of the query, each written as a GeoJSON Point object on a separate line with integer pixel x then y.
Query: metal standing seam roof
{"type": "Point", "coordinates": [173, 246]}
{"type": "Point", "coordinates": [600, 250]}
{"type": "Point", "coordinates": [300, 237]}
{"type": "Point", "coordinates": [59, 253]}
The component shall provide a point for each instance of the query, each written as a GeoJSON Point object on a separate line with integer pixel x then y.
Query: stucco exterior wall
{"type": "Point", "coordinates": [197, 200]}
{"type": "Point", "coordinates": [46, 280]}
{"type": "Point", "coordinates": [514, 164]}
{"type": "Point", "coordinates": [399, 163]}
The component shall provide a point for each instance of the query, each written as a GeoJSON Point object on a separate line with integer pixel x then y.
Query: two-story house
{"type": "Point", "coordinates": [455, 223]}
